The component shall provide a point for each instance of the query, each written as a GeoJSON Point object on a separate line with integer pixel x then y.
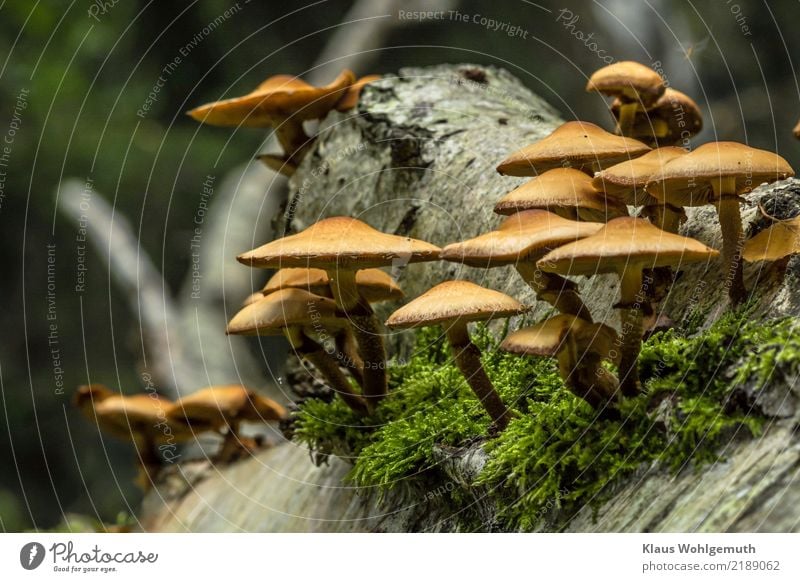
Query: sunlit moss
{"type": "Point", "coordinates": [557, 456]}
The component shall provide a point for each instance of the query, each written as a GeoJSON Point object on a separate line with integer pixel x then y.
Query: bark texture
{"type": "Point", "coordinates": [417, 158]}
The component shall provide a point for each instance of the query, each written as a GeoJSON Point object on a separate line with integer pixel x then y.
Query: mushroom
{"type": "Point", "coordinates": [777, 242]}
{"type": "Point", "coordinates": [719, 173]}
{"type": "Point", "coordinates": [139, 418]}
{"type": "Point", "coordinates": [580, 348]}
{"type": "Point", "coordinates": [636, 86]}
{"type": "Point", "coordinates": [564, 191]}
{"type": "Point", "coordinates": [374, 285]}
{"type": "Point", "coordinates": [296, 313]}
{"type": "Point", "coordinates": [626, 246]}
{"type": "Point", "coordinates": [282, 102]}
{"type": "Point", "coordinates": [577, 144]}
{"type": "Point", "coordinates": [796, 130]}
{"type": "Point", "coordinates": [225, 407]}
{"type": "Point", "coordinates": [521, 240]}
{"type": "Point", "coordinates": [342, 246]}
{"type": "Point", "coordinates": [625, 182]}
{"type": "Point", "coordinates": [453, 304]}
{"type": "Point", "coordinates": [350, 99]}
{"type": "Point", "coordinates": [674, 118]}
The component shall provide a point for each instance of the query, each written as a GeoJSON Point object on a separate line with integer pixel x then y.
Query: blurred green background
{"type": "Point", "coordinates": [75, 74]}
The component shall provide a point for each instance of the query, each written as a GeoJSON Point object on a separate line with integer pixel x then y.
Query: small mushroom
{"type": "Point", "coordinates": [350, 99]}
{"type": "Point", "coordinates": [796, 130]}
{"type": "Point", "coordinates": [453, 304]}
{"type": "Point", "coordinates": [674, 118]}
{"type": "Point", "coordinates": [777, 242]}
{"type": "Point", "coordinates": [577, 144]}
{"type": "Point", "coordinates": [636, 85]}
{"type": "Point", "coordinates": [225, 407]}
{"type": "Point", "coordinates": [139, 418]}
{"type": "Point", "coordinates": [580, 348]}
{"type": "Point", "coordinates": [282, 102]}
{"type": "Point", "coordinates": [342, 246]}
{"type": "Point", "coordinates": [521, 240]}
{"type": "Point", "coordinates": [626, 246]}
{"type": "Point", "coordinates": [625, 183]}
{"type": "Point", "coordinates": [563, 191]}
{"type": "Point", "coordinates": [719, 173]}
{"type": "Point", "coordinates": [292, 312]}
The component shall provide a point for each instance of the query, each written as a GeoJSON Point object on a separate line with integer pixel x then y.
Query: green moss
{"type": "Point", "coordinates": [556, 456]}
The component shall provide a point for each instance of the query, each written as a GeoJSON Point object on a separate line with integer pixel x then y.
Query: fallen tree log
{"type": "Point", "coordinates": [417, 158]}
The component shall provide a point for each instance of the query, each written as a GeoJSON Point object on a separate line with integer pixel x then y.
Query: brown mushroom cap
{"type": "Point", "coordinates": [526, 235]}
{"type": "Point", "coordinates": [626, 181]}
{"type": "Point", "coordinates": [625, 243]}
{"type": "Point", "coordinates": [578, 144]}
{"type": "Point", "coordinates": [279, 97]}
{"type": "Point", "coordinates": [780, 240]}
{"type": "Point", "coordinates": [455, 301]}
{"type": "Point", "coordinates": [350, 99]}
{"type": "Point", "coordinates": [686, 180]}
{"type": "Point", "coordinates": [373, 284]}
{"type": "Point", "coordinates": [218, 405]}
{"type": "Point", "coordinates": [548, 337]}
{"type": "Point", "coordinates": [340, 242]}
{"type": "Point", "coordinates": [563, 191]}
{"type": "Point", "coordinates": [679, 112]}
{"type": "Point", "coordinates": [272, 314]}
{"type": "Point", "coordinates": [128, 416]}
{"type": "Point", "coordinates": [629, 79]}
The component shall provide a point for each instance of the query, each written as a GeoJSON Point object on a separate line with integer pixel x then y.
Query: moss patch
{"type": "Point", "coordinates": [557, 456]}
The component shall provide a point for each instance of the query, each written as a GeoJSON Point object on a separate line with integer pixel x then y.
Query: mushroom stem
{"type": "Point", "coordinates": [148, 462]}
{"type": "Point", "coordinates": [559, 292]}
{"type": "Point", "coordinates": [366, 329]}
{"type": "Point", "coordinates": [313, 353]}
{"type": "Point", "coordinates": [347, 354]}
{"type": "Point", "coordinates": [632, 329]}
{"type": "Point", "coordinates": [293, 138]}
{"type": "Point", "coordinates": [231, 443]}
{"type": "Point", "coordinates": [664, 216]}
{"type": "Point", "coordinates": [468, 359]}
{"type": "Point", "coordinates": [627, 114]}
{"type": "Point", "coordinates": [730, 221]}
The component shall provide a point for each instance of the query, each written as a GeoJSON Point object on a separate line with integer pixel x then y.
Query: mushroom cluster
{"type": "Point", "coordinates": [156, 425]}
{"type": "Point", "coordinates": [283, 103]}
{"type": "Point", "coordinates": [594, 203]}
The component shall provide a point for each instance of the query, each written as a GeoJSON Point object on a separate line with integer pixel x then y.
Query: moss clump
{"type": "Point", "coordinates": [556, 456]}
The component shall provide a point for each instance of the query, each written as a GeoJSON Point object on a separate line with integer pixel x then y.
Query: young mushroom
{"type": "Point", "coordinates": [674, 118]}
{"type": "Point", "coordinates": [719, 173]}
{"type": "Point", "coordinates": [564, 191]}
{"type": "Point", "coordinates": [283, 103]}
{"type": "Point", "coordinates": [342, 246]}
{"type": "Point", "coordinates": [635, 85]}
{"type": "Point", "coordinates": [139, 418]}
{"type": "Point", "coordinates": [453, 305]}
{"type": "Point", "coordinates": [626, 246]}
{"type": "Point", "coordinates": [225, 407]}
{"type": "Point", "coordinates": [297, 314]}
{"type": "Point", "coordinates": [580, 348]}
{"type": "Point", "coordinates": [577, 144]}
{"type": "Point", "coordinates": [521, 240]}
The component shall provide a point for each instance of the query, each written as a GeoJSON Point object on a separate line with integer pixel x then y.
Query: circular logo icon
{"type": "Point", "coordinates": [31, 555]}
